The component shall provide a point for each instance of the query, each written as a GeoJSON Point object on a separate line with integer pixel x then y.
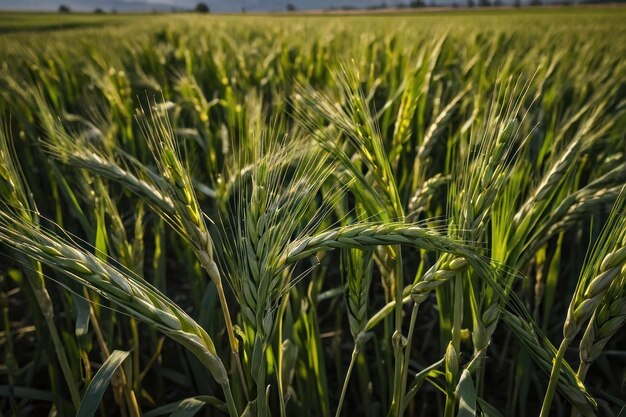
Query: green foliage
{"type": "Point", "coordinates": [379, 216]}
{"type": "Point", "coordinates": [202, 8]}
{"type": "Point", "coordinates": [97, 386]}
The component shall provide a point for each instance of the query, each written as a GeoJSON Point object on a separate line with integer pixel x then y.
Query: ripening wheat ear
{"type": "Point", "coordinates": [530, 215]}
{"type": "Point", "coordinates": [606, 321]}
{"type": "Point", "coordinates": [602, 267]}
{"type": "Point", "coordinates": [170, 192]}
{"type": "Point", "coordinates": [356, 273]}
{"type": "Point", "coordinates": [598, 194]}
{"type": "Point", "coordinates": [82, 154]}
{"type": "Point", "coordinates": [274, 202]}
{"type": "Point", "coordinates": [351, 123]}
{"type": "Point", "coordinates": [177, 185]}
{"type": "Point", "coordinates": [134, 295]}
{"type": "Point", "coordinates": [187, 218]}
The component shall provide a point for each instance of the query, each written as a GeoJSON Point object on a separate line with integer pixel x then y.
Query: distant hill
{"type": "Point", "coordinates": [218, 5]}
{"type": "Point", "coordinates": [86, 5]}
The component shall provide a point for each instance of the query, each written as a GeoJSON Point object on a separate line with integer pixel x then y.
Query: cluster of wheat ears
{"type": "Point", "coordinates": [322, 220]}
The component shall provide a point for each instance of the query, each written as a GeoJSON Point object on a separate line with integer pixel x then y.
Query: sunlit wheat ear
{"type": "Point", "coordinates": [346, 129]}
{"type": "Point", "coordinates": [576, 207]}
{"type": "Point", "coordinates": [356, 272]}
{"type": "Point", "coordinates": [369, 235]}
{"type": "Point", "coordinates": [135, 295]}
{"type": "Point", "coordinates": [273, 204]}
{"type": "Point", "coordinates": [548, 184]}
{"type": "Point", "coordinates": [602, 266]}
{"type": "Point", "coordinates": [87, 155]}
{"type": "Point", "coordinates": [483, 164]}
{"type": "Point", "coordinates": [138, 179]}
{"type": "Point", "coordinates": [437, 126]}
{"type": "Point", "coordinates": [559, 170]}
{"type": "Point", "coordinates": [16, 199]}
{"type": "Point", "coordinates": [169, 191]}
{"type": "Point", "coordinates": [187, 217]}
{"type": "Point", "coordinates": [608, 318]}
{"type": "Point", "coordinates": [488, 159]}
{"type": "Point", "coordinates": [483, 168]}
{"type": "Point", "coordinates": [177, 184]}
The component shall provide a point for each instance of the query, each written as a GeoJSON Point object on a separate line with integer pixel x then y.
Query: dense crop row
{"type": "Point", "coordinates": [312, 216]}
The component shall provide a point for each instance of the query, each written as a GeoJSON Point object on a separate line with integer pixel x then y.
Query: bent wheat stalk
{"type": "Point", "coordinates": [136, 296]}
{"type": "Point", "coordinates": [602, 267]}
{"type": "Point", "coordinates": [171, 194]}
{"type": "Point", "coordinates": [367, 235]}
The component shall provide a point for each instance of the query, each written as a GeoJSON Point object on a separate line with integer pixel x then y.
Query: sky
{"type": "Point", "coordinates": [215, 5]}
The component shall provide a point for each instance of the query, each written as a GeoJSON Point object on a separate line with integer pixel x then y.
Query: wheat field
{"type": "Point", "coordinates": [310, 215]}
